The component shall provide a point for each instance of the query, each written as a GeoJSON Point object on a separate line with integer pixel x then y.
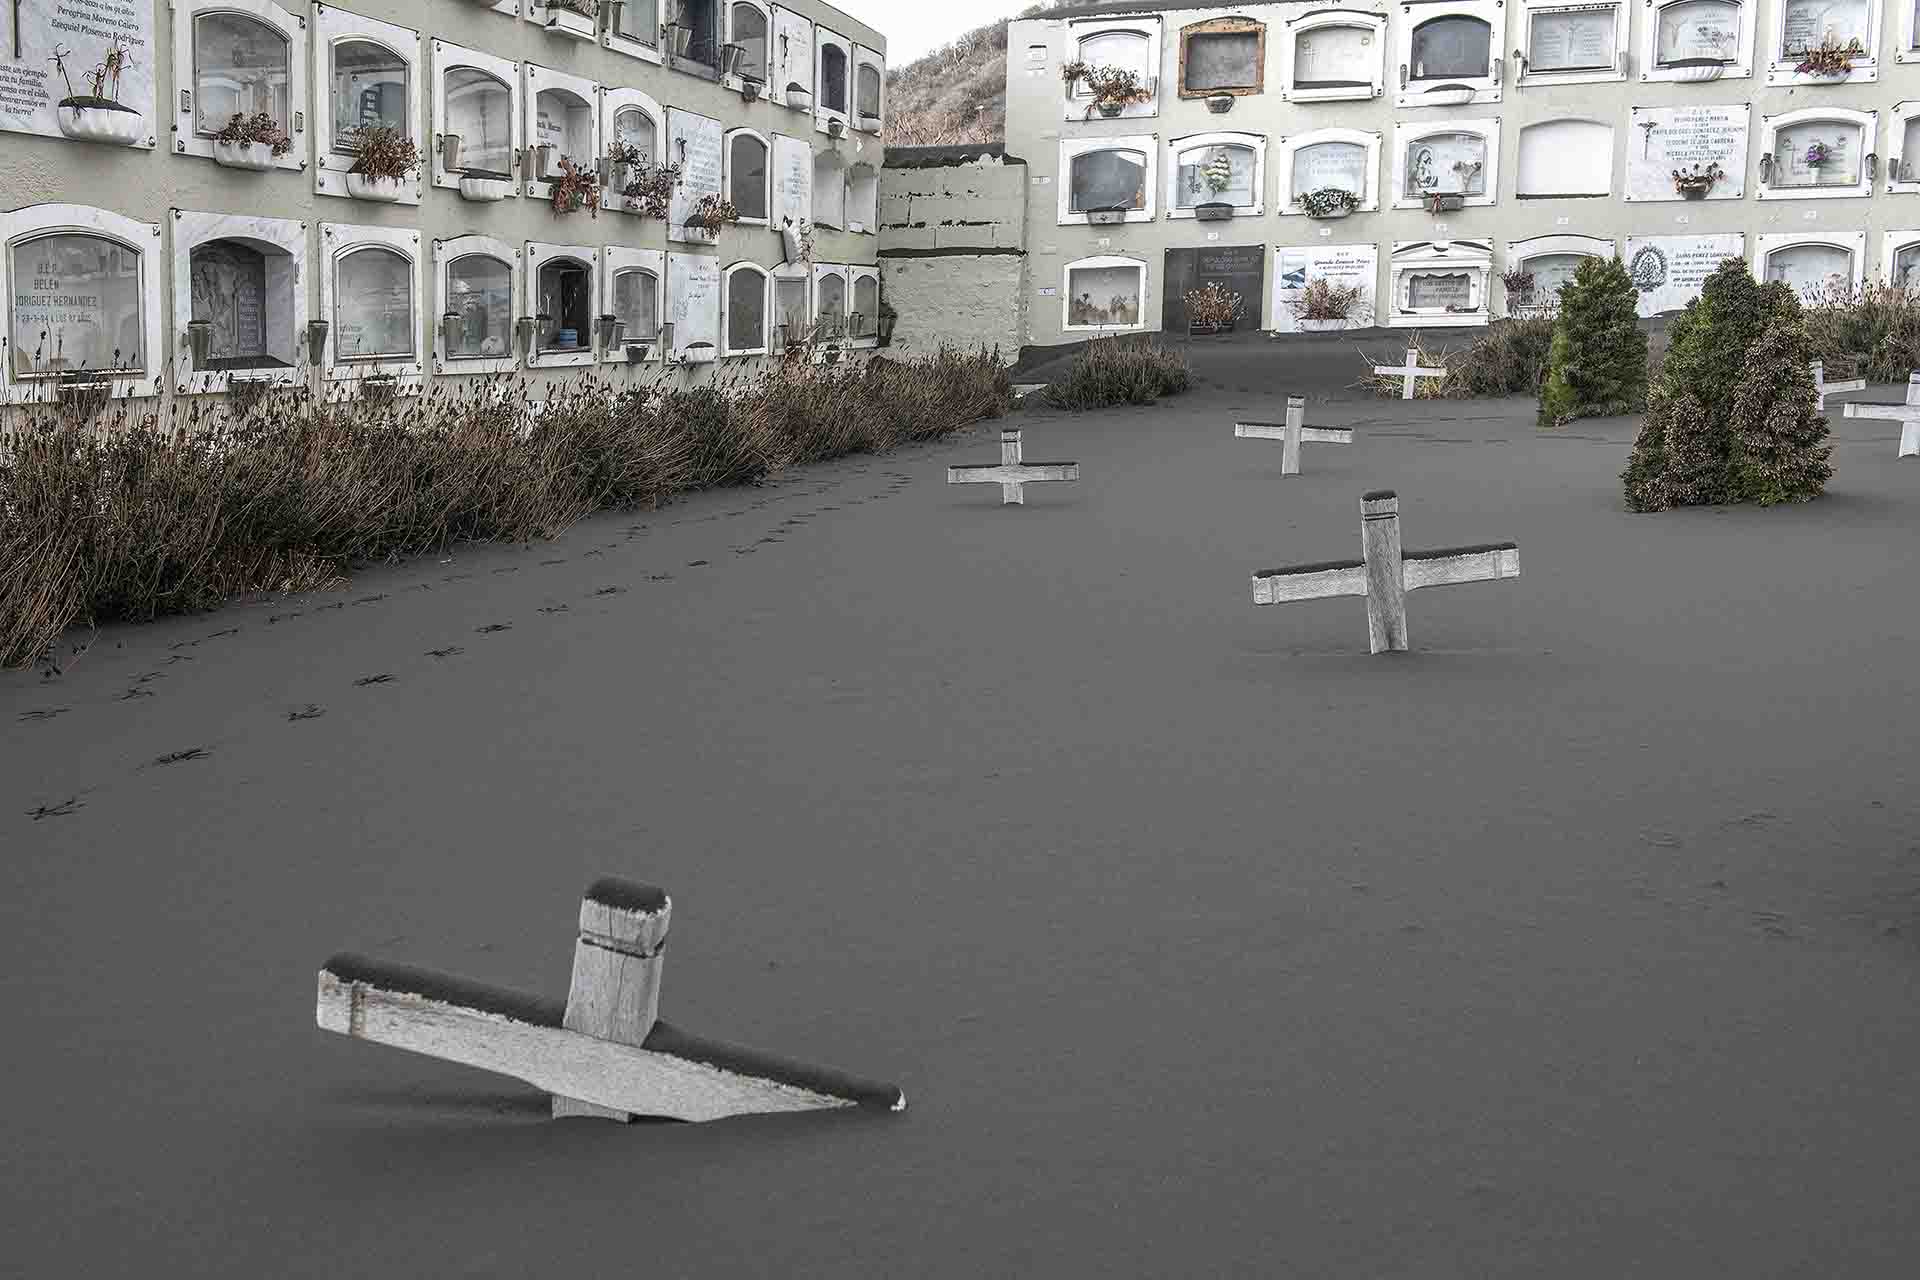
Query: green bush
{"type": "Point", "coordinates": [128, 520]}
{"type": "Point", "coordinates": [1723, 423]}
{"type": "Point", "coordinates": [1118, 370]}
{"type": "Point", "coordinates": [1597, 363]}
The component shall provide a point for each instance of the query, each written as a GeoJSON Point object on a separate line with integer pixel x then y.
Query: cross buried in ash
{"type": "Point", "coordinates": [1013, 474]}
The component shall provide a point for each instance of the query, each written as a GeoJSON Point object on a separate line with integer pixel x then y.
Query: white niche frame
{"type": "Point", "coordinates": [1607, 176]}
{"type": "Point", "coordinates": [615, 261]}
{"type": "Point", "coordinates": [286, 236]}
{"type": "Point", "coordinates": [865, 57]}
{"type": "Point", "coordinates": [1149, 27]}
{"type": "Point", "coordinates": [1891, 243]}
{"type": "Point", "coordinates": [1520, 252]}
{"type": "Point", "coordinates": [1527, 77]}
{"type": "Point", "coordinates": [855, 275]}
{"type": "Point", "coordinates": [822, 272]}
{"type": "Point", "coordinates": [330, 27]}
{"type": "Point", "coordinates": [337, 240]}
{"type": "Point", "coordinates": [1908, 49]}
{"type": "Point", "coordinates": [862, 198]}
{"type": "Point", "coordinates": [727, 137]}
{"type": "Point", "coordinates": [789, 271]}
{"type": "Point", "coordinates": [1768, 243]}
{"type": "Point", "coordinates": [1867, 122]}
{"type": "Point", "coordinates": [538, 80]}
{"type": "Point", "coordinates": [1898, 117]}
{"type": "Point", "coordinates": [1407, 133]}
{"type": "Point", "coordinates": [35, 220]}
{"type": "Point", "coordinates": [539, 253]}
{"type": "Point", "coordinates": [824, 117]}
{"type": "Point", "coordinates": [186, 140]}
{"type": "Point", "coordinates": [621, 43]}
{"type": "Point", "coordinates": [448, 56]}
{"type": "Point", "coordinates": [1323, 19]}
{"type": "Point", "coordinates": [613, 102]}
{"type": "Point", "coordinates": [1291, 144]}
{"type": "Point", "coordinates": [1411, 258]}
{"type": "Point", "coordinates": [1147, 144]}
{"type": "Point", "coordinates": [445, 254]}
{"type": "Point", "coordinates": [1651, 71]}
{"type": "Point", "coordinates": [1102, 262]}
{"type": "Point", "coordinates": [1254, 142]}
{"type": "Point", "coordinates": [790, 57]}
{"type": "Point", "coordinates": [1469, 91]}
{"type": "Point", "coordinates": [1780, 63]}
{"type": "Point", "coordinates": [727, 273]}
{"type": "Point", "coordinates": [728, 9]}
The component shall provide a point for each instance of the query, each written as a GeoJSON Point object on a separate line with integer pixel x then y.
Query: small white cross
{"type": "Point", "coordinates": [1012, 473]}
{"type": "Point", "coordinates": [1907, 415]}
{"type": "Point", "coordinates": [1409, 371]}
{"type": "Point", "coordinates": [1291, 433]}
{"type": "Point", "coordinates": [1822, 388]}
{"type": "Point", "coordinates": [1385, 574]}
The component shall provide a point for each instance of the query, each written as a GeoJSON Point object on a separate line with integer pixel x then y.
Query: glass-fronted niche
{"type": "Point", "coordinates": [369, 74]}
{"type": "Point", "coordinates": [1328, 160]}
{"type": "Point", "coordinates": [563, 287]}
{"type": "Point", "coordinates": [83, 300]}
{"type": "Point", "coordinates": [1450, 53]}
{"type": "Point", "coordinates": [1106, 292]}
{"type": "Point", "coordinates": [745, 303]}
{"type": "Point", "coordinates": [243, 58]}
{"type": "Point", "coordinates": [371, 297]}
{"type": "Point", "coordinates": [1454, 161]}
{"type": "Point", "coordinates": [1211, 170]}
{"type": "Point", "coordinates": [1697, 40]}
{"type": "Point", "coordinates": [477, 283]}
{"type": "Point", "coordinates": [1817, 153]}
{"type": "Point", "coordinates": [635, 282]}
{"type": "Point", "coordinates": [1107, 179]}
{"type": "Point", "coordinates": [1335, 54]}
{"type": "Point", "coordinates": [1573, 43]}
{"type": "Point", "coordinates": [1900, 259]}
{"type": "Point", "coordinates": [239, 299]}
{"type": "Point", "coordinates": [1818, 266]}
{"type": "Point", "coordinates": [1130, 45]}
{"type": "Point", "coordinates": [476, 122]}
{"type": "Point", "coordinates": [1223, 56]}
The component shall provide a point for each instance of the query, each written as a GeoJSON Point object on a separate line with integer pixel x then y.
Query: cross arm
{"type": "Point", "coordinates": [1848, 384]}
{"type": "Point", "coordinates": [673, 1073]}
{"type": "Point", "coordinates": [1404, 369]}
{"type": "Point", "coordinates": [1877, 409]}
{"type": "Point", "coordinates": [1327, 435]}
{"type": "Point", "coordinates": [1448, 565]}
{"type": "Point", "coordinates": [1013, 473]}
{"type": "Point", "coordinates": [1310, 582]}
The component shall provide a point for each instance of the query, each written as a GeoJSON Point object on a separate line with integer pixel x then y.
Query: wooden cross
{"type": "Point", "coordinates": [1012, 473]}
{"type": "Point", "coordinates": [1907, 415]}
{"type": "Point", "coordinates": [1409, 371]}
{"type": "Point", "coordinates": [1386, 574]}
{"type": "Point", "coordinates": [1292, 433]}
{"type": "Point", "coordinates": [602, 1053]}
{"type": "Point", "coordinates": [1822, 388]}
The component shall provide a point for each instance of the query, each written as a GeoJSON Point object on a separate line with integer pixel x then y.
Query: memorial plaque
{"type": "Point", "coordinates": [1439, 291]}
{"type": "Point", "coordinates": [75, 305]}
{"type": "Point", "coordinates": [693, 143]}
{"type": "Point", "coordinates": [1819, 153]}
{"type": "Point", "coordinates": [1354, 265]}
{"type": "Point", "coordinates": [693, 300]}
{"type": "Point", "coordinates": [1242, 269]}
{"type": "Point", "coordinates": [829, 190]}
{"type": "Point", "coordinates": [1215, 173]}
{"type": "Point", "coordinates": [1664, 139]}
{"type": "Point", "coordinates": [1330, 164]}
{"type": "Point", "coordinates": [1222, 60]}
{"type": "Point", "coordinates": [1575, 39]}
{"type": "Point", "coordinates": [1329, 57]}
{"type": "Point", "coordinates": [1811, 270]}
{"type": "Point", "coordinates": [1669, 270]}
{"type": "Point", "coordinates": [1454, 163]}
{"type": "Point", "coordinates": [1807, 24]}
{"type": "Point", "coordinates": [1105, 296]}
{"type": "Point", "coordinates": [81, 31]}
{"type": "Point", "coordinates": [1698, 29]}
{"type": "Point", "coordinates": [792, 51]}
{"type": "Point", "coordinates": [792, 180]}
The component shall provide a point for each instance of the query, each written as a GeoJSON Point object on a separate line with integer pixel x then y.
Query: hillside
{"type": "Point", "coordinates": [956, 94]}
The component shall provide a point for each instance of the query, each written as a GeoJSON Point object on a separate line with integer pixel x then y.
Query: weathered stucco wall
{"type": "Point", "coordinates": [953, 248]}
{"type": "Point", "coordinates": [969, 302]}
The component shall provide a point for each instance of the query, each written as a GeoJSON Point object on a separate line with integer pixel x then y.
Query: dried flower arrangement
{"type": "Point", "coordinates": [382, 153]}
{"type": "Point", "coordinates": [652, 188]}
{"type": "Point", "coordinates": [1830, 58]}
{"type": "Point", "coordinates": [1328, 202]}
{"type": "Point", "coordinates": [710, 213]}
{"type": "Point", "coordinates": [258, 129]}
{"type": "Point", "coordinates": [1212, 307]}
{"type": "Point", "coordinates": [574, 189]}
{"type": "Point", "coordinates": [1113, 88]}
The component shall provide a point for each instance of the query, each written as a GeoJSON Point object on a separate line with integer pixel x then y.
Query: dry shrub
{"type": "Point", "coordinates": [111, 519]}
{"type": "Point", "coordinates": [1872, 333]}
{"type": "Point", "coordinates": [1118, 370]}
{"type": "Point", "coordinates": [1509, 359]}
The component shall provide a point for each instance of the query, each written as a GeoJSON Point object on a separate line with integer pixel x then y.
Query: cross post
{"type": "Point", "coordinates": [1384, 574]}
{"type": "Point", "coordinates": [1907, 415]}
{"type": "Point", "coordinates": [1822, 388]}
{"type": "Point", "coordinates": [604, 1052]}
{"type": "Point", "coordinates": [1409, 371]}
{"type": "Point", "coordinates": [1013, 474]}
{"type": "Point", "coordinates": [1292, 433]}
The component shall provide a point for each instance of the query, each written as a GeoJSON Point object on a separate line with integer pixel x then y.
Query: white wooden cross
{"type": "Point", "coordinates": [1907, 415]}
{"type": "Point", "coordinates": [1291, 433]}
{"type": "Point", "coordinates": [1385, 574]}
{"type": "Point", "coordinates": [1012, 473]}
{"type": "Point", "coordinates": [1409, 371]}
{"type": "Point", "coordinates": [602, 1053]}
{"type": "Point", "coordinates": [1822, 388]}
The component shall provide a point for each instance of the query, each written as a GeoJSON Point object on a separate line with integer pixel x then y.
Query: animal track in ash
{"type": "Point", "coordinates": [510, 568]}
{"type": "Point", "coordinates": [546, 563]}
{"type": "Point", "coordinates": [151, 676]}
{"type": "Point", "coordinates": [45, 713]}
{"type": "Point", "coordinates": [456, 577]}
{"type": "Point", "coordinates": [695, 564]}
{"type": "Point", "coordinates": [553, 608]}
{"type": "Point", "coordinates": [282, 617]}
{"type": "Point", "coordinates": [656, 577]}
{"type": "Point", "coordinates": [180, 657]}
{"type": "Point", "coordinates": [312, 711]}
{"type": "Point", "coordinates": [181, 757]}
{"type": "Point", "coordinates": [447, 652]}
{"type": "Point", "coordinates": [337, 604]}
{"type": "Point", "coordinates": [385, 677]}
{"type": "Point", "coordinates": [61, 810]}
{"type": "Point", "coordinates": [492, 627]}
{"type": "Point", "coordinates": [135, 692]}
{"type": "Point", "coordinates": [188, 644]}
{"type": "Point", "coordinates": [597, 551]}
{"type": "Point", "coordinates": [610, 591]}
{"type": "Point", "coordinates": [373, 599]}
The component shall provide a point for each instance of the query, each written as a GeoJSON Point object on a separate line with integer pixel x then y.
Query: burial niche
{"type": "Point", "coordinates": [1574, 39]}
{"type": "Point", "coordinates": [240, 66]}
{"type": "Point", "coordinates": [1697, 31]}
{"type": "Point", "coordinates": [700, 20]}
{"type": "Point", "coordinates": [746, 309]}
{"type": "Point", "coordinates": [866, 91]}
{"type": "Point", "coordinates": [829, 190]}
{"type": "Point", "coordinates": [1215, 173]}
{"type": "Point", "coordinates": [1905, 273]}
{"type": "Point", "coordinates": [1226, 55]}
{"type": "Point", "coordinates": [1808, 24]}
{"type": "Point", "coordinates": [833, 304]}
{"type": "Point", "coordinates": [638, 21]}
{"type": "Point", "coordinates": [1104, 296]}
{"type": "Point", "coordinates": [243, 291]}
{"type": "Point", "coordinates": [1552, 270]}
{"type": "Point", "coordinates": [1111, 179]}
{"type": "Point", "coordinates": [1565, 158]}
{"type": "Point", "coordinates": [1334, 57]}
{"type": "Point", "coordinates": [636, 303]}
{"type": "Point", "coordinates": [1447, 164]}
{"type": "Point", "coordinates": [479, 111]}
{"type": "Point", "coordinates": [748, 29]}
{"type": "Point", "coordinates": [635, 128]}
{"type": "Point", "coordinates": [480, 295]}
{"type": "Point", "coordinates": [1451, 47]}
{"type": "Point", "coordinates": [833, 78]}
{"type": "Point", "coordinates": [563, 124]}
{"type": "Point", "coordinates": [790, 306]}
{"type": "Point", "coordinates": [373, 305]}
{"type": "Point", "coordinates": [1330, 164]}
{"type": "Point", "coordinates": [747, 176]}
{"type": "Point", "coordinates": [1811, 270]}
{"type": "Point", "coordinates": [369, 90]}
{"type": "Point", "coordinates": [564, 291]}
{"type": "Point", "coordinates": [76, 304]}
{"type": "Point", "coordinates": [1816, 153]}
{"type": "Point", "coordinates": [866, 305]}
{"type": "Point", "coordinates": [1909, 150]}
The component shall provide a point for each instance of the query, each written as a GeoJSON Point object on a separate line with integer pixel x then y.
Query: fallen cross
{"type": "Point", "coordinates": [1907, 415]}
{"type": "Point", "coordinates": [604, 1052]}
{"type": "Point", "coordinates": [1409, 371]}
{"type": "Point", "coordinates": [1822, 388]}
{"type": "Point", "coordinates": [1012, 473]}
{"type": "Point", "coordinates": [1386, 574]}
{"type": "Point", "coordinates": [1292, 433]}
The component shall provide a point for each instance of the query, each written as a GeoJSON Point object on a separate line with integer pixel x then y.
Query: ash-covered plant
{"type": "Point", "coordinates": [1325, 299]}
{"type": "Point", "coordinates": [1118, 370]}
{"type": "Point", "coordinates": [711, 212]}
{"type": "Point", "coordinates": [577, 187]}
{"type": "Point", "coordinates": [1509, 359]}
{"type": "Point", "coordinates": [1111, 88]}
{"type": "Point", "coordinates": [1328, 202]}
{"type": "Point", "coordinates": [382, 152]}
{"type": "Point", "coordinates": [258, 128]}
{"type": "Point", "coordinates": [1597, 364]}
{"type": "Point", "coordinates": [1872, 332]}
{"type": "Point", "coordinates": [652, 187]}
{"type": "Point", "coordinates": [1213, 304]}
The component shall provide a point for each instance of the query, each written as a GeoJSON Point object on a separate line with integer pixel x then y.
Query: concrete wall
{"type": "Point", "coordinates": [1039, 125]}
{"type": "Point", "coordinates": [953, 227]}
{"type": "Point", "coordinates": [156, 185]}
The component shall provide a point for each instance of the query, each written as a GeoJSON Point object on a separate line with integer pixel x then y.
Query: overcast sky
{"type": "Point", "coordinates": [914, 27]}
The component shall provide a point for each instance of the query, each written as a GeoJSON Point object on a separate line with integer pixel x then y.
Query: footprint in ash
{"type": "Point", "coordinates": [181, 757]}
{"type": "Point", "coordinates": [65, 808]}
{"type": "Point", "coordinates": [448, 652]}
{"type": "Point", "coordinates": [492, 627]}
{"type": "Point", "coordinates": [45, 713]}
{"type": "Point", "coordinates": [385, 677]}
{"type": "Point", "coordinates": [312, 711]}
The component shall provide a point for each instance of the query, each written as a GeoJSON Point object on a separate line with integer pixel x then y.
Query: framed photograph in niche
{"type": "Point", "coordinates": [371, 295]}
{"type": "Point", "coordinates": [245, 278]}
{"type": "Point", "coordinates": [1335, 54]}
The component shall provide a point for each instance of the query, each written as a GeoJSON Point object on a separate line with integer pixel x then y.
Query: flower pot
{"type": "Point", "coordinates": [316, 340]}
{"type": "Point", "coordinates": [886, 328]}
{"type": "Point", "coordinates": [1220, 103]}
{"type": "Point", "coordinates": [255, 157]}
{"type": "Point", "coordinates": [485, 190]}
{"type": "Point", "coordinates": [98, 120]}
{"type": "Point", "coordinates": [1447, 95]}
{"type": "Point", "coordinates": [1213, 211]}
{"type": "Point", "coordinates": [546, 163]}
{"type": "Point", "coordinates": [1693, 190]}
{"type": "Point", "coordinates": [567, 22]}
{"type": "Point", "coordinates": [1106, 217]}
{"type": "Point", "coordinates": [200, 340]}
{"type": "Point", "coordinates": [1696, 70]}
{"type": "Point", "coordinates": [1110, 110]}
{"type": "Point", "coordinates": [361, 187]}
{"type": "Point", "coordinates": [450, 153]}
{"type": "Point", "coordinates": [452, 329]}
{"type": "Point", "coordinates": [870, 123]}
{"type": "Point", "coordinates": [730, 55]}
{"type": "Point", "coordinates": [636, 350]}
{"type": "Point", "coordinates": [1338, 211]}
{"type": "Point", "coordinates": [1320, 326]}
{"type": "Point", "coordinates": [836, 128]}
{"type": "Point", "coordinates": [799, 99]}
{"type": "Point", "coordinates": [1445, 204]}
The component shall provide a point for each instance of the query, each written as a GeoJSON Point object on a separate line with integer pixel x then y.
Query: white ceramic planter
{"type": "Point", "coordinates": [800, 99]}
{"type": "Point", "coordinates": [1338, 211]}
{"type": "Point", "coordinates": [1449, 95]}
{"type": "Point", "coordinates": [1321, 326]}
{"type": "Point", "coordinates": [1698, 71]}
{"type": "Point", "coordinates": [120, 128]}
{"type": "Point", "coordinates": [485, 190]}
{"type": "Point", "coordinates": [254, 156]}
{"type": "Point", "coordinates": [361, 187]}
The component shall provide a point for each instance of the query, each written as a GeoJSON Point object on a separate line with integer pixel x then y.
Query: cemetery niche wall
{"type": "Point", "coordinates": [1240, 269]}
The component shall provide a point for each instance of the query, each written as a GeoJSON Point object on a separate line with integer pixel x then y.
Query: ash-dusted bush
{"type": "Point", "coordinates": [1728, 421]}
{"type": "Point", "coordinates": [1597, 363]}
{"type": "Point", "coordinates": [1509, 359]}
{"type": "Point", "coordinates": [1119, 370]}
{"type": "Point", "coordinates": [1872, 333]}
{"type": "Point", "coordinates": [109, 519]}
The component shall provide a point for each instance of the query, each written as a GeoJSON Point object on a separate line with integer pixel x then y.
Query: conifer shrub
{"type": "Point", "coordinates": [1779, 438]}
{"type": "Point", "coordinates": [1597, 363]}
